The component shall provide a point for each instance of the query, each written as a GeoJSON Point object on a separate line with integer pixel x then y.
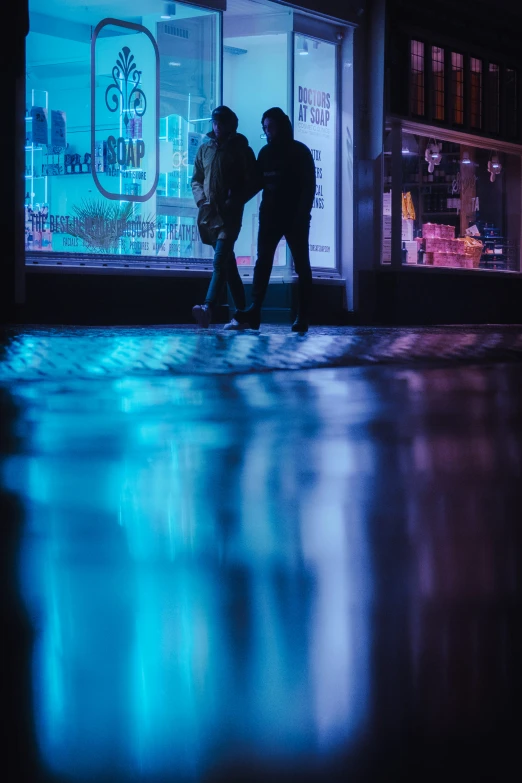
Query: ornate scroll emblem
{"type": "Point", "coordinates": [126, 87]}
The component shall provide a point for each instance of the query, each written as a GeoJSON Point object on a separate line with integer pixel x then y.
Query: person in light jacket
{"type": "Point", "coordinates": [286, 174]}
{"type": "Point", "coordinates": [224, 171]}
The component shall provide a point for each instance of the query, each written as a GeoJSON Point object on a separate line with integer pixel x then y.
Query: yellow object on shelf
{"type": "Point", "coordinates": [408, 210]}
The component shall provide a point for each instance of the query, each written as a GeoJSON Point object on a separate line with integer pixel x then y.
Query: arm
{"type": "Point", "coordinates": [253, 176]}
{"type": "Point", "coordinates": [198, 179]}
{"type": "Point", "coordinates": [306, 181]}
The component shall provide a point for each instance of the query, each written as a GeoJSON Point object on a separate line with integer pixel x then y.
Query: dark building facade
{"type": "Point", "coordinates": [450, 170]}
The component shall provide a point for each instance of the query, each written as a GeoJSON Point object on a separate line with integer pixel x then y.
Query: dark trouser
{"type": "Point", "coordinates": [225, 271]}
{"type": "Point", "coordinates": [270, 234]}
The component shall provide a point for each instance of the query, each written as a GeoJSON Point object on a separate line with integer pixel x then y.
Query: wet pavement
{"type": "Point", "coordinates": [310, 575]}
{"type": "Point", "coordinates": [54, 352]}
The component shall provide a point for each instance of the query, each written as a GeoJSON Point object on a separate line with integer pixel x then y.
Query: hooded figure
{"type": "Point", "coordinates": [286, 174]}
{"type": "Point", "coordinates": [224, 172]}
{"type": "Point", "coordinates": [287, 170]}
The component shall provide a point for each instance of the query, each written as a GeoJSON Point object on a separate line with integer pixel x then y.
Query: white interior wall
{"type": "Point", "coordinates": [252, 83]}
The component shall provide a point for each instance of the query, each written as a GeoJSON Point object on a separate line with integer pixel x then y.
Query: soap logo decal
{"type": "Point", "coordinates": [125, 158]}
{"type": "Point", "coordinates": [124, 73]}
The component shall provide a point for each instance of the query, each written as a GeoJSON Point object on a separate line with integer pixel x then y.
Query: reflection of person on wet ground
{"type": "Point", "coordinates": [223, 174]}
{"type": "Point", "coordinates": [286, 172]}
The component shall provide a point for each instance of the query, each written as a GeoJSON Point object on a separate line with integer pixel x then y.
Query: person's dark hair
{"type": "Point", "coordinates": [226, 115]}
{"type": "Point", "coordinates": [282, 119]}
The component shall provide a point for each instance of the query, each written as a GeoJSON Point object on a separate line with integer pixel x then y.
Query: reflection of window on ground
{"type": "Point", "coordinates": [255, 77]}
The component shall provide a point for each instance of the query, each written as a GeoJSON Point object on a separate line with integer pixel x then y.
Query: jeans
{"type": "Point", "coordinates": [225, 271]}
{"type": "Point", "coordinates": [296, 233]}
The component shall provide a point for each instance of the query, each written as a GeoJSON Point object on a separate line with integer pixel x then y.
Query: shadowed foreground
{"type": "Point", "coordinates": [290, 576]}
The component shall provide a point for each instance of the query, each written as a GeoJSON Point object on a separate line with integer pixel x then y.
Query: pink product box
{"type": "Point", "coordinates": [430, 230]}
{"type": "Point", "coordinates": [443, 246]}
{"type": "Point", "coordinates": [453, 246]}
{"type": "Point", "coordinates": [447, 232]}
{"type": "Point", "coordinates": [437, 231]}
{"type": "Point", "coordinates": [435, 245]}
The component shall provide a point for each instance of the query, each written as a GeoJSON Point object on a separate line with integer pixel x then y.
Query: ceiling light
{"type": "Point", "coordinates": [302, 46]}
{"type": "Point", "coordinates": [465, 157]}
{"type": "Point", "coordinates": [494, 167]}
{"type": "Point", "coordinates": [169, 10]}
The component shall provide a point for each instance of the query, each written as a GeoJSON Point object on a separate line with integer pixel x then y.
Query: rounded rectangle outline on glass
{"type": "Point", "coordinates": [140, 29]}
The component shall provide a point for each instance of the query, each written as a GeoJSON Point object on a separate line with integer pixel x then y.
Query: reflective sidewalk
{"type": "Point", "coordinates": [33, 353]}
{"type": "Point", "coordinates": [309, 576]}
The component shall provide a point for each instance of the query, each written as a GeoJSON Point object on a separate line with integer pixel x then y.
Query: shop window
{"type": "Point", "coordinates": [86, 184]}
{"type": "Point", "coordinates": [493, 99]}
{"type": "Point", "coordinates": [418, 68]}
{"type": "Point", "coordinates": [460, 207]}
{"type": "Point", "coordinates": [111, 139]}
{"type": "Point", "coordinates": [475, 98]}
{"type": "Point", "coordinates": [457, 88]}
{"type": "Point", "coordinates": [511, 103]}
{"type": "Point", "coordinates": [438, 88]}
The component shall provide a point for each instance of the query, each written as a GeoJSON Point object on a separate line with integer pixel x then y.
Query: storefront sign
{"type": "Point", "coordinates": [315, 118]}
{"type": "Point", "coordinates": [124, 111]}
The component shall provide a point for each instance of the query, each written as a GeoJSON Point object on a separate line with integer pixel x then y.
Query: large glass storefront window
{"type": "Point", "coordinates": [461, 205]}
{"type": "Point", "coordinates": [108, 171]}
{"type": "Point", "coordinates": [120, 96]}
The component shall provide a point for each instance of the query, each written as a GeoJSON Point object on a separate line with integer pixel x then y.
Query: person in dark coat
{"type": "Point", "coordinates": [224, 172]}
{"type": "Point", "coordinates": [286, 174]}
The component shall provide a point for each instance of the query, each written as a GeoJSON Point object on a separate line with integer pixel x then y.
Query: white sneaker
{"type": "Point", "coordinates": [235, 326]}
{"type": "Point", "coordinates": [202, 314]}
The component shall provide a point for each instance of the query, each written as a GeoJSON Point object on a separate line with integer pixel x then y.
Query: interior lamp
{"type": "Point", "coordinates": [168, 11]}
{"type": "Point", "coordinates": [433, 156]}
{"type": "Point", "coordinates": [494, 167]}
{"type": "Point", "coordinates": [302, 46]}
{"type": "Point", "coordinates": [465, 157]}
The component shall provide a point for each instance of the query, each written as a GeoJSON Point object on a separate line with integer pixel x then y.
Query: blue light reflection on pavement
{"type": "Point", "coordinates": [197, 568]}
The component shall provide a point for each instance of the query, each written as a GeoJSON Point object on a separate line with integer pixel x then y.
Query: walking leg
{"type": "Point", "coordinates": [219, 274]}
{"type": "Point", "coordinates": [235, 284]}
{"type": "Point", "coordinates": [267, 241]}
{"type": "Point", "coordinates": [297, 237]}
